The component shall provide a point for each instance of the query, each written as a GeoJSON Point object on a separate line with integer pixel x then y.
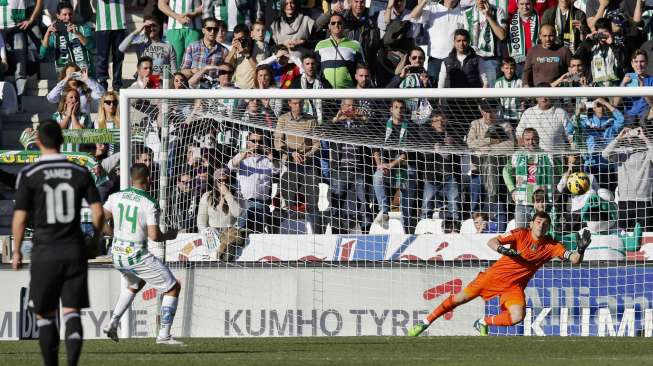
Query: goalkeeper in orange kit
{"type": "Point", "coordinates": [530, 248]}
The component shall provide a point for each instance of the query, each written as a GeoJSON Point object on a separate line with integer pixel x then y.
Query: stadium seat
{"type": "Point", "coordinates": [323, 197]}
{"type": "Point", "coordinates": [429, 226]}
{"type": "Point", "coordinates": [467, 227]}
{"type": "Point", "coordinates": [395, 226]}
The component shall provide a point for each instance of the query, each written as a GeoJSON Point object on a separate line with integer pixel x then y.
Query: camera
{"type": "Point", "coordinates": [154, 81]}
{"type": "Point", "coordinates": [60, 27]}
{"type": "Point", "coordinates": [598, 37]}
{"type": "Point", "coordinates": [76, 75]}
{"type": "Point", "coordinates": [575, 77]}
{"type": "Point", "coordinates": [416, 70]}
{"type": "Point", "coordinates": [245, 43]}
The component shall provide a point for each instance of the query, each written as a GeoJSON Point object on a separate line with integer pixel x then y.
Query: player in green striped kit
{"type": "Point", "coordinates": [184, 24]}
{"type": "Point", "coordinates": [135, 217]}
{"type": "Point", "coordinates": [109, 33]}
{"type": "Point", "coordinates": [229, 11]}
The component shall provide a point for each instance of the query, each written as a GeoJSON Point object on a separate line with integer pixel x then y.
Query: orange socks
{"type": "Point", "coordinates": [501, 319]}
{"type": "Point", "coordinates": [445, 307]}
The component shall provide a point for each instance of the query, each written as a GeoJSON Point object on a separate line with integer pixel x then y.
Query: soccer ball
{"type": "Point", "coordinates": [578, 183]}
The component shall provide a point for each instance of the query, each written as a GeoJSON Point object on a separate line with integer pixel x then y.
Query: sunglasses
{"type": "Point", "coordinates": [335, 23]}
{"type": "Point", "coordinates": [416, 57]}
{"type": "Point", "coordinates": [110, 102]}
{"type": "Point", "coordinates": [225, 72]}
{"type": "Point", "coordinates": [184, 181]}
{"type": "Point", "coordinates": [212, 29]}
{"type": "Point", "coordinates": [256, 141]}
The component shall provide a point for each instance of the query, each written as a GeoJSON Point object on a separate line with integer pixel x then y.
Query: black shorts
{"type": "Point", "coordinates": [54, 280]}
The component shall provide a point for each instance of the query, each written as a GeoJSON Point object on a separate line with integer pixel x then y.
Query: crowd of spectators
{"type": "Point", "coordinates": [222, 176]}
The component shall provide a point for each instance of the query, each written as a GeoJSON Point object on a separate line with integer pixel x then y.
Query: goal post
{"type": "Point", "coordinates": [360, 218]}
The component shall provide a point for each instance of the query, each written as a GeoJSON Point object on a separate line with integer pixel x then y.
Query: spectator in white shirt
{"type": "Point", "coordinates": [254, 171]}
{"type": "Point", "coordinates": [547, 118]}
{"type": "Point", "coordinates": [396, 10]}
{"type": "Point", "coordinates": [440, 21]}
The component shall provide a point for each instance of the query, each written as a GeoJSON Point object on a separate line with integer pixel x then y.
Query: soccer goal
{"type": "Point", "coordinates": [320, 212]}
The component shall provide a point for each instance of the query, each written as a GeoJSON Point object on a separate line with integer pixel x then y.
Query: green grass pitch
{"type": "Point", "coordinates": [484, 351]}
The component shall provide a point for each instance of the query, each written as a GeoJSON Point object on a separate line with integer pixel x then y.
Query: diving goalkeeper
{"type": "Point", "coordinates": [530, 248]}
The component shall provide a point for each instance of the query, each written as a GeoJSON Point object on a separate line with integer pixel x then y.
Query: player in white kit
{"type": "Point", "coordinates": [135, 217]}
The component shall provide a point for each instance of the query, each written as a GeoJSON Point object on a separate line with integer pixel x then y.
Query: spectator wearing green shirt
{"type": "Point", "coordinates": [338, 55]}
{"type": "Point", "coordinates": [528, 170]}
{"type": "Point", "coordinates": [71, 43]}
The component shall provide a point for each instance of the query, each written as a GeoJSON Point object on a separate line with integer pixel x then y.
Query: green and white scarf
{"type": "Point", "coordinates": [420, 109]}
{"type": "Point", "coordinates": [481, 36]}
{"type": "Point", "coordinates": [389, 126]}
{"type": "Point", "coordinates": [518, 38]}
{"type": "Point", "coordinates": [532, 171]}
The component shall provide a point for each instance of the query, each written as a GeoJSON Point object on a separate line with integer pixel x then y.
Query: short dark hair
{"type": "Point", "coordinates": [50, 135]}
{"type": "Point", "coordinates": [488, 105]}
{"type": "Point", "coordinates": [461, 32]}
{"type": "Point", "coordinates": [508, 61]}
{"type": "Point", "coordinates": [64, 5]}
{"type": "Point", "coordinates": [241, 28]}
{"type": "Point", "coordinates": [531, 130]}
{"type": "Point", "coordinates": [541, 215]}
{"type": "Point", "coordinates": [139, 172]}
{"type": "Point", "coordinates": [539, 195]}
{"type": "Point", "coordinates": [603, 23]}
{"type": "Point", "coordinates": [209, 19]}
{"type": "Point", "coordinates": [639, 52]}
{"type": "Point", "coordinates": [144, 59]}
{"type": "Point", "coordinates": [309, 55]}
{"type": "Point", "coordinates": [336, 15]}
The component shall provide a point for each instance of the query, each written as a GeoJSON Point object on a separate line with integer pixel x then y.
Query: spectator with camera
{"type": "Point", "coordinates": [206, 51]}
{"type": "Point", "coordinates": [575, 75]}
{"type": "Point", "coordinates": [632, 151]}
{"type": "Point", "coordinates": [254, 173]}
{"type": "Point", "coordinates": [489, 139]}
{"type": "Point", "coordinates": [146, 41]}
{"type": "Point", "coordinates": [546, 61]}
{"type": "Point", "coordinates": [72, 77]}
{"type": "Point", "coordinates": [604, 56]}
{"type": "Point", "coordinates": [293, 29]}
{"type": "Point", "coordinates": [440, 22]}
{"type": "Point", "coordinates": [184, 24]}
{"type": "Point", "coordinates": [243, 57]}
{"type": "Point", "coordinates": [598, 128]}
{"type": "Point", "coordinates": [70, 42]}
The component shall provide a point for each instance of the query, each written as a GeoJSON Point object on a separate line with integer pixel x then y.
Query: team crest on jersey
{"type": "Point", "coordinates": [534, 247]}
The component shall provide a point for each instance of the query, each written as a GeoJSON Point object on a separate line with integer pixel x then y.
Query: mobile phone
{"type": "Point", "coordinates": [415, 70]}
{"type": "Point", "coordinates": [60, 27]}
{"type": "Point", "coordinates": [76, 75]}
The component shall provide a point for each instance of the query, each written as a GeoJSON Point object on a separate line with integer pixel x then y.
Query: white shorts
{"type": "Point", "coordinates": [151, 270]}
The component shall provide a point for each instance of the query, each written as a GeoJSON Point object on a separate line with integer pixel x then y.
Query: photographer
{"type": "Point", "coordinates": [243, 58]}
{"type": "Point", "coordinates": [71, 43]}
{"type": "Point", "coordinates": [72, 77]}
{"type": "Point", "coordinates": [603, 55]}
{"type": "Point", "coordinates": [146, 40]}
{"type": "Point", "coordinates": [575, 75]}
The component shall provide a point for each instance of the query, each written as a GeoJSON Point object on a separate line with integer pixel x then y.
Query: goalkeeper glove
{"type": "Point", "coordinates": [507, 251]}
{"type": "Point", "coordinates": [582, 242]}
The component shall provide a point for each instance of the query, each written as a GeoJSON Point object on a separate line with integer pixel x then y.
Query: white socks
{"type": "Point", "coordinates": [168, 310]}
{"type": "Point", "coordinates": [125, 299]}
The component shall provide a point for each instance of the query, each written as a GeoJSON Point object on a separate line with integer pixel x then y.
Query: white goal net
{"type": "Point", "coordinates": [355, 212]}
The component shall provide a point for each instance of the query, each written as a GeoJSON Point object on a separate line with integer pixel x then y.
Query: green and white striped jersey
{"type": "Point", "coordinates": [133, 211]}
{"type": "Point", "coordinates": [225, 10]}
{"type": "Point", "coordinates": [12, 12]}
{"type": "Point", "coordinates": [109, 15]}
{"type": "Point", "coordinates": [185, 7]}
